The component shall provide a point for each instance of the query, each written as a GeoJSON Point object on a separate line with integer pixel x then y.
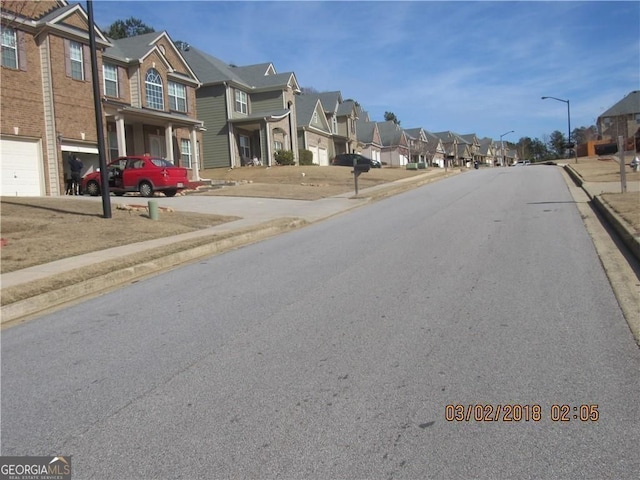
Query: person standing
{"type": "Point", "coordinates": [75, 165]}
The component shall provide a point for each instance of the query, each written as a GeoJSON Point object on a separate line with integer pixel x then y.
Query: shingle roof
{"type": "Point", "coordinates": [305, 106]}
{"type": "Point", "coordinates": [132, 47]}
{"type": "Point", "coordinates": [330, 100]}
{"type": "Point", "coordinates": [390, 133]}
{"type": "Point", "coordinates": [365, 131]}
{"type": "Point", "coordinates": [629, 104]}
{"type": "Point", "coordinates": [209, 69]}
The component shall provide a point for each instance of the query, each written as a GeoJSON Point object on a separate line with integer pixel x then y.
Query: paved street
{"type": "Point", "coordinates": [343, 350]}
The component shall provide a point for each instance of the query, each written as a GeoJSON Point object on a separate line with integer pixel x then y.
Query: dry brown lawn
{"type": "Point", "coordinates": [41, 230]}
{"type": "Point", "coordinates": [301, 183]}
{"type": "Point", "coordinates": [45, 229]}
{"type": "Point", "coordinates": [594, 170]}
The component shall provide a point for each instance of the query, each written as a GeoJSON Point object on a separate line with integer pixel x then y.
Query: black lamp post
{"type": "Point", "coordinates": [569, 144]}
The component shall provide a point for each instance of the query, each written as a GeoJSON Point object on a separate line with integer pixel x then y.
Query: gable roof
{"type": "Point", "coordinates": [390, 133]}
{"type": "Point", "coordinates": [53, 19]}
{"type": "Point", "coordinates": [346, 108]}
{"type": "Point", "coordinates": [305, 106]}
{"type": "Point", "coordinates": [211, 70]}
{"type": "Point", "coordinates": [136, 49]}
{"type": "Point", "coordinates": [330, 101]}
{"type": "Point", "coordinates": [630, 104]}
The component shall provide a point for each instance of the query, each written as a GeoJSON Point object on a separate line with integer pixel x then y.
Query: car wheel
{"type": "Point", "coordinates": [145, 189]}
{"type": "Point", "coordinates": [93, 188]}
{"type": "Point", "coordinates": [170, 193]}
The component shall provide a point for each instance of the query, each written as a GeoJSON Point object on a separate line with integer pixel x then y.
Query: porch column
{"type": "Point", "coordinates": [268, 132]}
{"type": "Point", "coordinates": [120, 136]}
{"type": "Point", "coordinates": [168, 139]}
{"type": "Point", "coordinates": [194, 155]}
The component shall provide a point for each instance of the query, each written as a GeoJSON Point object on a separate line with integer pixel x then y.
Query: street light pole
{"type": "Point", "coordinates": [504, 157]}
{"type": "Point", "coordinates": [575, 147]}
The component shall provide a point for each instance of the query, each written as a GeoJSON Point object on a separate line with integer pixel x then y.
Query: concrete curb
{"type": "Point", "coordinates": [21, 309]}
{"type": "Point", "coordinates": [622, 228]}
{"type": "Point", "coordinates": [33, 305]}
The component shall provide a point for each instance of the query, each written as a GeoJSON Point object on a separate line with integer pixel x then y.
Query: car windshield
{"type": "Point", "coordinates": [161, 162]}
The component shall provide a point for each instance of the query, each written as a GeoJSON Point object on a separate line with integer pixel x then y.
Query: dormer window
{"type": "Point", "coordinates": [241, 102]}
{"type": "Point", "coordinates": [154, 90]}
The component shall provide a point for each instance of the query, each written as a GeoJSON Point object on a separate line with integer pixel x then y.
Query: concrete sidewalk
{"type": "Point", "coordinates": [260, 218]}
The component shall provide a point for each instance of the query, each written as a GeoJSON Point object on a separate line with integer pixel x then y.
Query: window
{"type": "Point", "coordinates": [245, 147]}
{"type": "Point", "coordinates": [9, 48]}
{"type": "Point", "coordinates": [334, 125]}
{"type": "Point", "coordinates": [314, 119]}
{"type": "Point", "coordinates": [112, 138]}
{"type": "Point", "coordinates": [241, 102]}
{"type": "Point", "coordinates": [177, 97]}
{"type": "Point", "coordinates": [185, 150]}
{"type": "Point", "coordinates": [110, 74]}
{"type": "Point", "coordinates": [77, 62]}
{"type": "Point", "coordinates": [153, 87]}
{"type": "Point", "coordinates": [278, 146]}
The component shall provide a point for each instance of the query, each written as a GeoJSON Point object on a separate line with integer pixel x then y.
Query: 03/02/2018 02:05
{"type": "Point", "coordinates": [520, 413]}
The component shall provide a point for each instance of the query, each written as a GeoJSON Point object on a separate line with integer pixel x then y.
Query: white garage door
{"type": "Point", "coordinates": [323, 157]}
{"type": "Point", "coordinates": [21, 168]}
{"type": "Point", "coordinates": [314, 150]}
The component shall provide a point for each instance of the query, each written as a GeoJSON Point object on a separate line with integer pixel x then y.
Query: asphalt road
{"type": "Point", "coordinates": [332, 352]}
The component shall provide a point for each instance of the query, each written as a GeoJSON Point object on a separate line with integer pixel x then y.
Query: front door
{"type": "Point", "coordinates": [157, 146]}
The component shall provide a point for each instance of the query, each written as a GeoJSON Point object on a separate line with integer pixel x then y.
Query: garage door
{"type": "Point", "coordinates": [21, 168]}
{"type": "Point", "coordinates": [323, 157]}
{"type": "Point", "coordinates": [314, 151]}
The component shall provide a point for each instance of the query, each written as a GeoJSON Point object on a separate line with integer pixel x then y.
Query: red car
{"type": "Point", "coordinates": [142, 174]}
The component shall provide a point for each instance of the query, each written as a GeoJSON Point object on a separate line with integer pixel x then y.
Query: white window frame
{"type": "Point", "coordinates": [185, 152]}
{"type": "Point", "coordinates": [314, 119]}
{"type": "Point", "coordinates": [278, 145]}
{"type": "Point", "coordinates": [334, 124]}
{"type": "Point", "coordinates": [154, 90]}
{"type": "Point", "coordinates": [77, 60]}
{"type": "Point", "coordinates": [177, 97]}
{"type": "Point", "coordinates": [241, 102]}
{"type": "Point", "coordinates": [9, 44]}
{"type": "Point", "coordinates": [245, 146]}
{"type": "Point", "coordinates": [110, 78]}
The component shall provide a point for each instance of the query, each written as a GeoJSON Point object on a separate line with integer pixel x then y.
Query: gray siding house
{"type": "Point", "coordinates": [314, 132]}
{"type": "Point", "coordinates": [248, 112]}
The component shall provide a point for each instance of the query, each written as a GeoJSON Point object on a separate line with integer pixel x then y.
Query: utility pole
{"type": "Point", "coordinates": [104, 177]}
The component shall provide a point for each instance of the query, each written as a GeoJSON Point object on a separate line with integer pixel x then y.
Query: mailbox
{"type": "Point", "coordinates": [606, 149]}
{"type": "Point", "coordinates": [361, 167]}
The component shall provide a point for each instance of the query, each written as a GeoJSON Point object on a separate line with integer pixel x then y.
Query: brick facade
{"type": "Point", "coordinates": [42, 101]}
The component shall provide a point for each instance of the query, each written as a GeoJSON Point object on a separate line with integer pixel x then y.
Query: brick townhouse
{"type": "Point", "coordinates": [147, 97]}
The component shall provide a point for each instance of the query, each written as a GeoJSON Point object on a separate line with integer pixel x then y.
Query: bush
{"type": "Point", "coordinates": [285, 157]}
{"type": "Point", "coordinates": [306, 157]}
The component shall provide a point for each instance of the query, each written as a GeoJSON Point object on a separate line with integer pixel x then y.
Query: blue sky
{"type": "Point", "coordinates": [470, 67]}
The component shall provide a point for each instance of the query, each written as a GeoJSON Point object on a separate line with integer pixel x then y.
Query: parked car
{"type": "Point", "coordinates": [522, 163]}
{"type": "Point", "coordinates": [142, 174]}
{"type": "Point", "coordinates": [346, 160]}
